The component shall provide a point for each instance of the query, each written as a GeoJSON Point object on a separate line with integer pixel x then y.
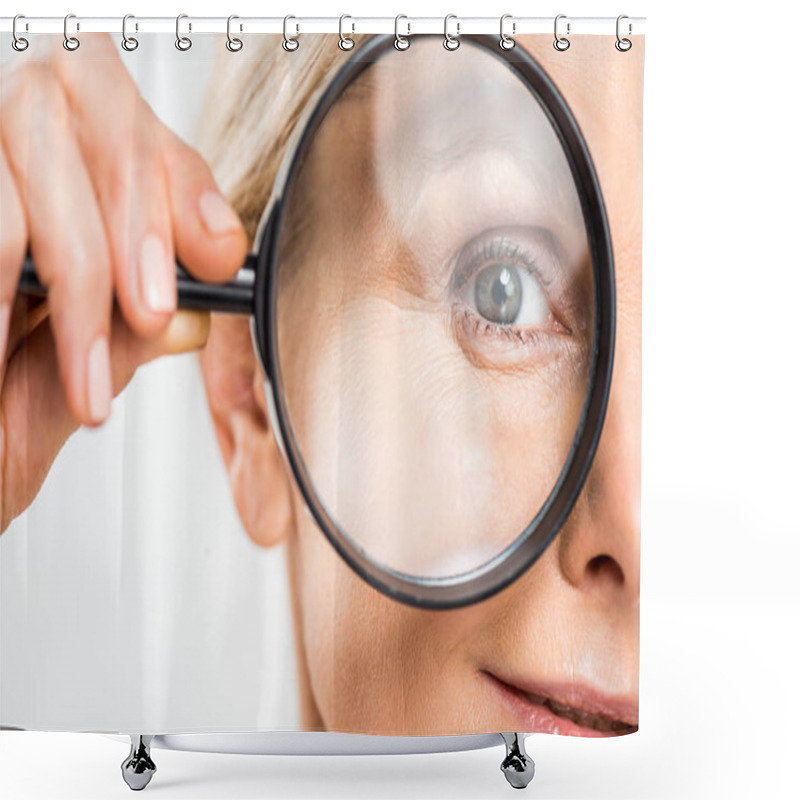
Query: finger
{"type": "Point", "coordinates": [33, 408]}
{"type": "Point", "coordinates": [139, 230]}
{"type": "Point", "coordinates": [118, 135]}
{"type": "Point", "coordinates": [13, 239]}
{"type": "Point", "coordinates": [186, 331]}
{"type": "Point", "coordinates": [209, 237]}
{"type": "Point", "coordinates": [67, 241]}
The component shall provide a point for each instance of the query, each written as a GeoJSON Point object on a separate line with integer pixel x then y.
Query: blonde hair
{"type": "Point", "coordinates": [255, 99]}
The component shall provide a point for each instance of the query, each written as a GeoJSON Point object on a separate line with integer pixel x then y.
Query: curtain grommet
{"type": "Point", "coordinates": [560, 43]}
{"type": "Point", "coordinates": [19, 43]}
{"type": "Point", "coordinates": [234, 43]}
{"type": "Point", "coordinates": [401, 42]}
{"type": "Point", "coordinates": [623, 45]}
{"type": "Point", "coordinates": [290, 43]}
{"type": "Point", "coordinates": [451, 42]}
{"type": "Point", "coordinates": [346, 42]}
{"type": "Point", "coordinates": [71, 43]}
{"type": "Point", "coordinates": [183, 43]}
{"type": "Point", "coordinates": [129, 43]}
{"type": "Point", "coordinates": [506, 41]}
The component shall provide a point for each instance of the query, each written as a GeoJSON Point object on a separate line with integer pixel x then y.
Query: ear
{"type": "Point", "coordinates": [258, 474]}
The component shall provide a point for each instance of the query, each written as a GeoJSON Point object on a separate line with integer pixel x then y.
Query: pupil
{"type": "Point", "coordinates": [498, 293]}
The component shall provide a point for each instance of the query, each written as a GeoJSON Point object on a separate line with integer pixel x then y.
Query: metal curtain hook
{"type": "Point", "coordinates": [129, 43]}
{"type": "Point", "coordinates": [290, 43]}
{"type": "Point", "coordinates": [401, 42]}
{"type": "Point", "coordinates": [451, 42]}
{"type": "Point", "coordinates": [346, 42]}
{"type": "Point", "coordinates": [561, 43]}
{"type": "Point", "coordinates": [506, 42]}
{"type": "Point", "coordinates": [234, 44]}
{"type": "Point", "coordinates": [623, 45]}
{"type": "Point", "coordinates": [70, 42]}
{"type": "Point", "coordinates": [19, 43]}
{"type": "Point", "coordinates": [182, 42]}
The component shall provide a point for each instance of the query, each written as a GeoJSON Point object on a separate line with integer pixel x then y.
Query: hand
{"type": "Point", "coordinates": [105, 197]}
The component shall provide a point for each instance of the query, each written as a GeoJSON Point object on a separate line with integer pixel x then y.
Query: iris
{"type": "Point", "coordinates": [498, 293]}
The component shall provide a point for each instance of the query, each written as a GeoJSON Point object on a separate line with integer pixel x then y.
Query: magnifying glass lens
{"type": "Point", "coordinates": [434, 312]}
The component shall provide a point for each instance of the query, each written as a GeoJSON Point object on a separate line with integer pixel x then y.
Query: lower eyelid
{"type": "Point", "coordinates": [509, 332]}
{"type": "Point", "coordinates": [499, 348]}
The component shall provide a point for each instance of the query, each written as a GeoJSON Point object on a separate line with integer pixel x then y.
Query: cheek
{"type": "Point", "coordinates": [352, 640]}
{"type": "Point", "coordinates": [429, 463]}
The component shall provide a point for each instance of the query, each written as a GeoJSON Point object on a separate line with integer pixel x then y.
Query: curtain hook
{"type": "Point", "coordinates": [234, 44]}
{"type": "Point", "coordinates": [623, 45]}
{"type": "Point", "coordinates": [290, 43]}
{"type": "Point", "coordinates": [183, 43]}
{"type": "Point", "coordinates": [346, 42]}
{"type": "Point", "coordinates": [506, 42]}
{"type": "Point", "coordinates": [561, 43]}
{"type": "Point", "coordinates": [129, 43]}
{"type": "Point", "coordinates": [70, 42]}
{"type": "Point", "coordinates": [401, 42]}
{"type": "Point", "coordinates": [19, 43]}
{"type": "Point", "coordinates": [451, 42]}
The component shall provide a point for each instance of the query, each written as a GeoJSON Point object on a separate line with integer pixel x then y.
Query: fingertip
{"type": "Point", "coordinates": [157, 276]}
{"type": "Point", "coordinates": [5, 321]}
{"type": "Point", "coordinates": [146, 285]}
{"type": "Point", "coordinates": [99, 388]}
{"type": "Point", "coordinates": [217, 215]}
{"type": "Point", "coordinates": [226, 236]}
{"type": "Point", "coordinates": [210, 239]}
{"type": "Point", "coordinates": [211, 243]}
{"type": "Point", "coordinates": [86, 381]}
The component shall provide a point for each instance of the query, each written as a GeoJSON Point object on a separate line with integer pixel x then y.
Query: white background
{"type": "Point", "coordinates": [720, 615]}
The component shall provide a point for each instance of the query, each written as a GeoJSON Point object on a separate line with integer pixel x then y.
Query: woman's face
{"type": "Point", "coordinates": [435, 339]}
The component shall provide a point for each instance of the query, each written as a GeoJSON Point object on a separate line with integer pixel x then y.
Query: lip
{"type": "Point", "coordinates": [568, 709]}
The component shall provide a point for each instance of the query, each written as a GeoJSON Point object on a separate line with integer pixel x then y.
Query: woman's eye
{"type": "Point", "coordinates": [506, 294]}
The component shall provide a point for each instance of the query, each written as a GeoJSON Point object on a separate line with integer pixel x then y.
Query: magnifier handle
{"type": "Point", "coordinates": [234, 297]}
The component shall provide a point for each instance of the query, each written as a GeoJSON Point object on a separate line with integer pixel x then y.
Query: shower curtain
{"type": "Point", "coordinates": [165, 565]}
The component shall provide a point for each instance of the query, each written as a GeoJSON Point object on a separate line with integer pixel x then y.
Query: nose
{"type": "Point", "coordinates": [598, 548]}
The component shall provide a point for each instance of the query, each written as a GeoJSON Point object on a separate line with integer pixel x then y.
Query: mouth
{"type": "Point", "coordinates": [570, 710]}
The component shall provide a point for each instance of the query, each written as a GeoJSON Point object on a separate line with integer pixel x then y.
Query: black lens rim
{"type": "Point", "coordinates": [495, 575]}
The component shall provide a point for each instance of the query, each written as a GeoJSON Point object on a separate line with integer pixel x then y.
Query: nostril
{"type": "Point", "coordinates": [605, 566]}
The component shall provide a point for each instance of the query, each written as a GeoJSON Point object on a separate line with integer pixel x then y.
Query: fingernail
{"type": "Point", "coordinates": [99, 380]}
{"type": "Point", "coordinates": [217, 214]}
{"type": "Point", "coordinates": [156, 276]}
{"type": "Point", "coordinates": [5, 319]}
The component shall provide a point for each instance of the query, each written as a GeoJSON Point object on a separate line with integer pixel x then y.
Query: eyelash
{"type": "Point", "coordinates": [481, 253]}
{"type": "Point", "coordinates": [483, 327]}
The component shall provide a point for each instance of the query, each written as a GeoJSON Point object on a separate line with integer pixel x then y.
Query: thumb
{"type": "Point", "coordinates": [187, 331]}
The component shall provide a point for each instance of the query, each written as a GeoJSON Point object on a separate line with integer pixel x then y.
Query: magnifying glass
{"type": "Point", "coordinates": [433, 304]}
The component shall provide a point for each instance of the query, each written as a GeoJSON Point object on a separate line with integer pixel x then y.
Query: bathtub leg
{"type": "Point", "coordinates": [518, 766]}
{"type": "Point", "coordinates": [138, 768]}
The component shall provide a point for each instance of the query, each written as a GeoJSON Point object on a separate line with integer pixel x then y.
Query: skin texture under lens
{"type": "Point", "coordinates": [441, 315]}
{"type": "Point", "coordinates": [557, 651]}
